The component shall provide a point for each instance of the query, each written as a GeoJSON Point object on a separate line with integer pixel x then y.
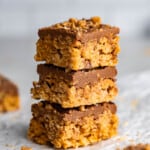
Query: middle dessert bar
{"type": "Point", "coordinates": [65, 128]}
{"type": "Point", "coordinates": [75, 88]}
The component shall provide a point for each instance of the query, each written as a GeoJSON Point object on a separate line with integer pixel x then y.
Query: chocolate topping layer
{"type": "Point", "coordinates": [77, 78]}
{"type": "Point", "coordinates": [82, 30]}
{"type": "Point", "coordinates": [103, 31]}
{"type": "Point", "coordinates": [44, 107]}
{"type": "Point", "coordinates": [7, 87]}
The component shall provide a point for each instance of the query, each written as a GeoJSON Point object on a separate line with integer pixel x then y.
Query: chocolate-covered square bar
{"type": "Point", "coordinates": [65, 128]}
{"type": "Point", "coordinates": [75, 88]}
{"type": "Point", "coordinates": [78, 44]}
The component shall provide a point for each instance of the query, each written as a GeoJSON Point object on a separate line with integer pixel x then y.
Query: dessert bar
{"type": "Point", "coordinates": [75, 88]}
{"type": "Point", "coordinates": [78, 44]}
{"type": "Point", "coordinates": [65, 128]}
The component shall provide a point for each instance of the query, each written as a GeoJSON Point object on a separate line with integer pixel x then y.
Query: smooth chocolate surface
{"type": "Point", "coordinates": [92, 33]}
{"type": "Point", "coordinates": [44, 107]}
{"type": "Point", "coordinates": [77, 78]}
{"type": "Point", "coordinates": [7, 87]}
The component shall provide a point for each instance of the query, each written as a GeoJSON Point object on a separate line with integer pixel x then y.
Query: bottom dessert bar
{"type": "Point", "coordinates": [9, 96]}
{"type": "Point", "coordinates": [75, 127]}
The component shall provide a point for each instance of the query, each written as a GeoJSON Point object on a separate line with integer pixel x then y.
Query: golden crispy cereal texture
{"type": "Point", "coordinates": [79, 25]}
{"type": "Point", "coordinates": [26, 148]}
{"type": "Point", "coordinates": [73, 134]}
{"type": "Point", "coordinates": [61, 52]}
{"type": "Point", "coordinates": [58, 91]}
{"type": "Point", "coordinates": [9, 103]}
{"type": "Point", "coordinates": [36, 131]}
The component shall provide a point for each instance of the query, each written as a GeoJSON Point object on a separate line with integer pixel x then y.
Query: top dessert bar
{"type": "Point", "coordinates": [78, 44]}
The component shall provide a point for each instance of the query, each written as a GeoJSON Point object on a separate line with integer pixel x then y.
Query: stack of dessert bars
{"type": "Point", "coordinates": [76, 84]}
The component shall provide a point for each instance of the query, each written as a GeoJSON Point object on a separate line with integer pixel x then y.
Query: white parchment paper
{"type": "Point", "coordinates": [133, 104]}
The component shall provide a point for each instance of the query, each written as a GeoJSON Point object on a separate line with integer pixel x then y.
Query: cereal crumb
{"type": "Point", "coordinates": [138, 147]}
{"type": "Point", "coordinates": [26, 148]}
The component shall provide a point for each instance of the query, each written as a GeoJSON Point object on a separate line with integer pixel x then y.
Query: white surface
{"type": "Point", "coordinates": [16, 62]}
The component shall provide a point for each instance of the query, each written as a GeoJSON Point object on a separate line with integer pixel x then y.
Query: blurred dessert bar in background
{"type": "Point", "coordinates": [9, 95]}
